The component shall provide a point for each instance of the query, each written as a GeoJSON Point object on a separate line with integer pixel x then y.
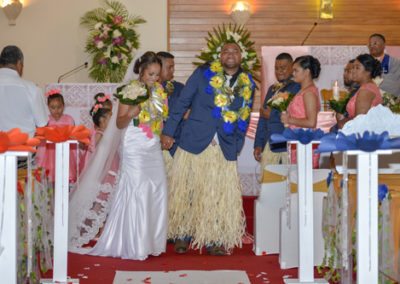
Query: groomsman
{"type": "Point", "coordinates": [270, 122]}
{"type": "Point", "coordinates": [172, 87]}
{"type": "Point", "coordinates": [390, 65]}
{"type": "Point", "coordinates": [205, 198]}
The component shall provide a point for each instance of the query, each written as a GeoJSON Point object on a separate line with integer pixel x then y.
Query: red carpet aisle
{"type": "Point", "coordinates": [260, 269]}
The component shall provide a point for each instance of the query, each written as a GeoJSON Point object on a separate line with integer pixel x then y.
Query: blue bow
{"type": "Point", "coordinates": [382, 192]}
{"type": "Point", "coordinates": [304, 136]}
{"type": "Point", "coordinates": [367, 142]}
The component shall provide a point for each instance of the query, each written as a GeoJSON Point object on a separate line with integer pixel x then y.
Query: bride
{"type": "Point", "coordinates": [136, 225]}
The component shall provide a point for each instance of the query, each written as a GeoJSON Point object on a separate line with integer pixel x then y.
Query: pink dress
{"type": "Point", "coordinates": [351, 105]}
{"type": "Point", "coordinates": [297, 109]}
{"type": "Point", "coordinates": [45, 156]}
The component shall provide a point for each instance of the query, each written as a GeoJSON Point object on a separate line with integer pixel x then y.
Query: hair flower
{"type": "Point", "coordinates": [52, 92]}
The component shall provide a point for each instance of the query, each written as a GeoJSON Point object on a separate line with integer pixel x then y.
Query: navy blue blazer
{"type": "Point", "coordinates": [200, 127]}
{"type": "Point", "coordinates": [172, 99]}
{"type": "Point", "coordinates": [267, 127]}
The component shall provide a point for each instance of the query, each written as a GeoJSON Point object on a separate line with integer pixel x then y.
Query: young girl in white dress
{"type": "Point", "coordinates": [136, 226]}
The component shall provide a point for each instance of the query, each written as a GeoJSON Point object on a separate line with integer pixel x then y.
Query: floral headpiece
{"type": "Point", "coordinates": [103, 99]}
{"type": "Point", "coordinates": [53, 92]}
{"type": "Point", "coordinates": [230, 34]}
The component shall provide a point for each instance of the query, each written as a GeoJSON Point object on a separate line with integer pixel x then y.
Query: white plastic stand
{"type": "Point", "coordinates": [367, 215]}
{"type": "Point", "coordinates": [61, 216]}
{"type": "Point", "coordinates": [9, 203]}
{"type": "Point", "coordinates": [306, 218]}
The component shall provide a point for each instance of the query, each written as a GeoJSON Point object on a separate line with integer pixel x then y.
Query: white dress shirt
{"type": "Point", "coordinates": [21, 103]}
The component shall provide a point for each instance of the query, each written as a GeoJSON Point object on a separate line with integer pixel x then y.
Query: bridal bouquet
{"type": "Point", "coordinates": [339, 105]}
{"type": "Point", "coordinates": [280, 101]}
{"type": "Point", "coordinates": [133, 93]}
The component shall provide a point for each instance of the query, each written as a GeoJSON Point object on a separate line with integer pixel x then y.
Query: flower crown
{"type": "Point", "coordinates": [230, 34]}
{"type": "Point", "coordinates": [53, 92]}
{"type": "Point", "coordinates": [103, 99]}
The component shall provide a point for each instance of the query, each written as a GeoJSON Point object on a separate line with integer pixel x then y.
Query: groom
{"type": "Point", "coordinates": [205, 200]}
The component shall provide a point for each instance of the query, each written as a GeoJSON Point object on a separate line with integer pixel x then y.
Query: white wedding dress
{"type": "Point", "coordinates": [136, 226]}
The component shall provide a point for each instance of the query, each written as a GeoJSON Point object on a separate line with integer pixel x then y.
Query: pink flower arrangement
{"type": "Point", "coordinates": [53, 92]}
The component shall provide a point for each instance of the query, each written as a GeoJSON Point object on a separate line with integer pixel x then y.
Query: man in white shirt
{"type": "Point", "coordinates": [21, 102]}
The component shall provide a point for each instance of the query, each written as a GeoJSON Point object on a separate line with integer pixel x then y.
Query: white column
{"type": "Point", "coordinates": [306, 216]}
{"type": "Point", "coordinates": [61, 201]}
{"type": "Point", "coordinates": [8, 215]}
{"type": "Point", "coordinates": [367, 215]}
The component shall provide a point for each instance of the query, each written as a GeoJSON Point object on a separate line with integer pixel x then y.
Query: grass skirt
{"type": "Point", "coordinates": [272, 158]}
{"type": "Point", "coordinates": [205, 199]}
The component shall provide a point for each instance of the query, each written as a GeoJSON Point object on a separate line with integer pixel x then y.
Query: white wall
{"type": "Point", "coordinates": [53, 42]}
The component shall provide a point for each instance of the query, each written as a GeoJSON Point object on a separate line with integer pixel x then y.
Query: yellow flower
{"type": "Point", "coordinates": [221, 100]}
{"type": "Point", "coordinates": [244, 113]}
{"type": "Point", "coordinates": [216, 67]}
{"type": "Point", "coordinates": [229, 116]}
{"type": "Point", "coordinates": [216, 82]}
{"type": "Point", "coordinates": [244, 78]}
{"type": "Point", "coordinates": [156, 126]}
{"type": "Point", "coordinates": [246, 93]}
{"type": "Point", "coordinates": [144, 116]}
{"type": "Point", "coordinates": [165, 111]}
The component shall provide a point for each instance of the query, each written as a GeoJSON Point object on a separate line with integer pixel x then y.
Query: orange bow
{"type": "Point", "coordinates": [64, 133]}
{"type": "Point", "coordinates": [15, 140]}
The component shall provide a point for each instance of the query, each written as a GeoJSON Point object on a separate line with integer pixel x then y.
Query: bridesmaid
{"type": "Point", "coordinates": [303, 110]}
{"type": "Point", "coordinates": [365, 69]}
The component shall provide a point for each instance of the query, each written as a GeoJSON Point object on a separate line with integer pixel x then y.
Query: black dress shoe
{"type": "Point", "coordinates": [181, 246]}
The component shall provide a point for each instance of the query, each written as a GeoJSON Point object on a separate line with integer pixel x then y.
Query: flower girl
{"type": "Point", "coordinates": [45, 157]}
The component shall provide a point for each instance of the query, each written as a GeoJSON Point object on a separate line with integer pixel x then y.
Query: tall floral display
{"type": "Point", "coordinates": [232, 34]}
{"type": "Point", "coordinates": [112, 38]}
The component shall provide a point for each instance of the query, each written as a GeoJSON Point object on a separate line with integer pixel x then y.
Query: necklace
{"type": "Point", "coordinates": [224, 96]}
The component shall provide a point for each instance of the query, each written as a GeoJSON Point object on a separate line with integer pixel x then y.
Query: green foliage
{"type": "Point", "coordinates": [230, 34]}
{"type": "Point", "coordinates": [112, 38]}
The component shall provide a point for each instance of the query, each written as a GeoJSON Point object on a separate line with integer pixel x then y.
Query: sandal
{"type": "Point", "coordinates": [181, 246]}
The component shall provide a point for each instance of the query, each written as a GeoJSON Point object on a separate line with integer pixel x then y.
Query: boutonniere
{"type": "Point", "coordinates": [169, 87]}
{"type": "Point", "coordinates": [277, 86]}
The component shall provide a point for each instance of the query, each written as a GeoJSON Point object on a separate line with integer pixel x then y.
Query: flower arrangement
{"type": "Point", "coordinates": [280, 101]}
{"type": "Point", "coordinates": [224, 96]}
{"type": "Point", "coordinates": [392, 102]}
{"type": "Point", "coordinates": [230, 34]}
{"type": "Point", "coordinates": [111, 40]}
{"type": "Point", "coordinates": [133, 93]}
{"type": "Point", "coordinates": [339, 105]}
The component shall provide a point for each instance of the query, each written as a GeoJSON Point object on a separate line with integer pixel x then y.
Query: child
{"type": "Point", "coordinates": [45, 157]}
{"type": "Point", "coordinates": [100, 115]}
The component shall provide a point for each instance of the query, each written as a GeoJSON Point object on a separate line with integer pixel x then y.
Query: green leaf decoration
{"type": "Point", "coordinates": [111, 40]}
{"type": "Point", "coordinates": [230, 33]}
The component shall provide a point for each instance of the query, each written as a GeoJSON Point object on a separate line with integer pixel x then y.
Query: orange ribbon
{"type": "Point", "coordinates": [64, 133]}
{"type": "Point", "coordinates": [15, 140]}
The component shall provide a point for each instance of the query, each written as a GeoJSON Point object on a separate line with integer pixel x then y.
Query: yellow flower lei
{"type": "Point", "coordinates": [225, 95]}
{"type": "Point", "coordinates": [154, 110]}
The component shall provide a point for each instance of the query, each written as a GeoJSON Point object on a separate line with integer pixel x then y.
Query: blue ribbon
{"type": "Point", "coordinates": [382, 192]}
{"type": "Point", "coordinates": [367, 142]}
{"type": "Point", "coordinates": [304, 136]}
